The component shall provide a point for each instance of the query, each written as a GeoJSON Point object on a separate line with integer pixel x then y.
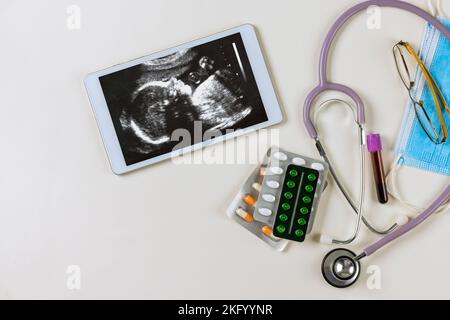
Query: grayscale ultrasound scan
{"type": "Point", "coordinates": [211, 83]}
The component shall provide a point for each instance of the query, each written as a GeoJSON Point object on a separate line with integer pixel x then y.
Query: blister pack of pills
{"type": "Point", "coordinates": [242, 209]}
{"type": "Point", "coordinates": [290, 193]}
{"type": "Point", "coordinates": [279, 201]}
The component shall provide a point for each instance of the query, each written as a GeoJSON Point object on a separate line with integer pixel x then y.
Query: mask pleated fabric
{"type": "Point", "coordinates": [414, 148]}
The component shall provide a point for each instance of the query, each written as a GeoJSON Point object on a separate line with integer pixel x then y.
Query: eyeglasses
{"type": "Point", "coordinates": [438, 136]}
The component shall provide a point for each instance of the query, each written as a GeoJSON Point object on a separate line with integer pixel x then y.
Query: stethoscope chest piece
{"type": "Point", "coordinates": [340, 268]}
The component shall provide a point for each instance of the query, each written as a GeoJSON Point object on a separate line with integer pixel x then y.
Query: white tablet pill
{"type": "Point", "coordinates": [317, 166]}
{"type": "Point", "coordinates": [273, 184]}
{"type": "Point", "coordinates": [280, 156]}
{"type": "Point", "coordinates": [268, 197]}
{"type": "Point", "coordinates": [276, 170]}
{"type": "Point", "coordinates": [299, 161]}
{"type": "Point", "coordinates": [265, 212]}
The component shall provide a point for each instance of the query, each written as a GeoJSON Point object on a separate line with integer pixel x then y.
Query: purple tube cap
{"type": "Point", "coordinates": [374, 143]}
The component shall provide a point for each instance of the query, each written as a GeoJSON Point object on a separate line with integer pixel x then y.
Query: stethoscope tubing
{"type": "Point", "coordinates": [325, 85]}
{"type": "Point", "coordinates": [410, 225]}
{"type": "Point", "coordinates": [321, 88]}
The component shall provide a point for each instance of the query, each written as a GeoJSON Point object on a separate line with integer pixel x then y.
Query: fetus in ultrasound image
{"type": "Point", "coordinates": [211, 83]}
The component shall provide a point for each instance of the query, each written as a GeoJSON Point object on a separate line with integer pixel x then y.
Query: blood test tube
{"type": "Point", "coordinates": [374, 147]}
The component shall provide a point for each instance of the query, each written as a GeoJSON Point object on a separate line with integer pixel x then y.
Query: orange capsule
{"type": "Point", "coordinates": [268, 232]}
{"type": "Point", "coordinates": [248, 199]}
{"type": "Point", "coordinates": [244, 215]}
{"type": "Point", "coordinates": [263, 171]}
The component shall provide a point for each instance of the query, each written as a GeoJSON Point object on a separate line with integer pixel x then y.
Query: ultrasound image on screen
{"type": "Point", "coordinates": [211, 83]}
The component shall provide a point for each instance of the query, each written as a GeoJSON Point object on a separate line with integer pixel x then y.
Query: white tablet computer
{"type": "Point", "coordinates": [217, 88]}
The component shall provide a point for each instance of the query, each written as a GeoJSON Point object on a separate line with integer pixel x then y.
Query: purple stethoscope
{"type": "Point", "coordinates": [341, 267]}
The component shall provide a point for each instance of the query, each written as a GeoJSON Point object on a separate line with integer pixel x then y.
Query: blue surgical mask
{"type": "Point", "coordinates": [413, 145]}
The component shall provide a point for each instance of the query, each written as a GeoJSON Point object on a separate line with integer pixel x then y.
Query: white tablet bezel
{"type": "Point", "coordinates": [105, 122]}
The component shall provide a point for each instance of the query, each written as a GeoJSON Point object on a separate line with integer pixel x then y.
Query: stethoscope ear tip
{"type": "Point", "coordinates": [340, 268]}
{"type": "Point", "coordinates": [402, 220]}
{"type": "Point", "coordinates": [326, 239]}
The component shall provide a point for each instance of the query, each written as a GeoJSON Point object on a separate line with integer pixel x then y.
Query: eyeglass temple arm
{"type": "Point", "coordinates": [433, 88]}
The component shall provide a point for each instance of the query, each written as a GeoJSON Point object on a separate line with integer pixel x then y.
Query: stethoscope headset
{"type": "Point", "coordinates": [341, 267]}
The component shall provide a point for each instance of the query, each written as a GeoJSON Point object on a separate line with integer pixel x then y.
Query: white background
{"type": "Point", "coordinates": [162, 232]}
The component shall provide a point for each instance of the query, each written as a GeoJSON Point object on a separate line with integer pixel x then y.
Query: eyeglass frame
{"type": "Point", "coordinates": [437, 97]}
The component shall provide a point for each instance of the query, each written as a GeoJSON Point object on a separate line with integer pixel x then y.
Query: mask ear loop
{"type": "Point", "coordinates": [392, 187]}
{"type": "Point", "coordinates": [437, 10]}
{"type": "Point", "coordinates": [431, 8]}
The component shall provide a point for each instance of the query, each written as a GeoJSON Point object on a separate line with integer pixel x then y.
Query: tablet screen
{"type": "Point", "coordinates": [205, 91]}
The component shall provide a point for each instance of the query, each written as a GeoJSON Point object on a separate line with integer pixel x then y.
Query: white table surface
{"type": "Point", "coordinates": [61, 205]}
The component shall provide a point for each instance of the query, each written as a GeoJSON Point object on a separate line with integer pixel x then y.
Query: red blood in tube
{"type": "Point", "coordinates": [374, 147]}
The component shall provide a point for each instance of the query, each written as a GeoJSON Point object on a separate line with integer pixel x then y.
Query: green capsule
{"type": "Point", "coordinates": [304, 210]}
{"type": "Point", "coordinates": [293, 173]}
{"type": "Point", "coordinates": [288, 195]}
{"type": "Point", "coordinates": [299, 233]}
{"type": "Point", "coordinates": [307, 199]}
{"type": "Point", "coordinates": [281, 228]}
